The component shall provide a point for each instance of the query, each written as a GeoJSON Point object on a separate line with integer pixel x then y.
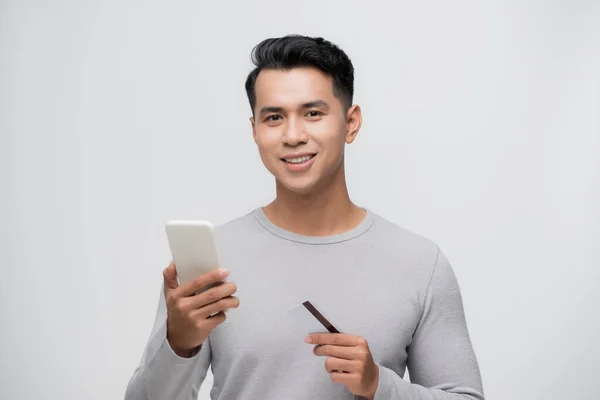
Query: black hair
{"type": "Point", "coordinates": [297, 51]}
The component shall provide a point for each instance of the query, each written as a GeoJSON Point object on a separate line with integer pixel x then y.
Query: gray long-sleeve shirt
{"type": "Point", "coordinates": [379, 281]}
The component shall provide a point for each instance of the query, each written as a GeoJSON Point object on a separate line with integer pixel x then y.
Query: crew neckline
{"type": "Point", "coordinates": [357, 231]}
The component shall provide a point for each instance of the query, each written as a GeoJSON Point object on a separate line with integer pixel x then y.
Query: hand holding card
{"type": "Point", "coordinates": [349, 361]}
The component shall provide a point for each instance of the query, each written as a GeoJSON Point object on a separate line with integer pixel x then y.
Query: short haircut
{"type": "Point", "coordinates": [296, 51]}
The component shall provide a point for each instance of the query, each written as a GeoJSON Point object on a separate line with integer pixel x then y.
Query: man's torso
{"type": "Point", "coordinates": [370, 281]}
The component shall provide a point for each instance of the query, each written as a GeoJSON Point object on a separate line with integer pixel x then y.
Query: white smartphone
{"type": "Point", "coordinates": [193, 249]}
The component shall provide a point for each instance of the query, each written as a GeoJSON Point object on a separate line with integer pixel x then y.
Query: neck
{"type": "Point", "coordinates": [328, 211]}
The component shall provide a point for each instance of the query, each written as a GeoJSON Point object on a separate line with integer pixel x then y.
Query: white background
{"type": "Point", "coordinates": [481, 131]}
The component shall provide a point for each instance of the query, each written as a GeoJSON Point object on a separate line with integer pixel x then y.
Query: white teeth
{"type": "Point", "coordinates": [298, 160]}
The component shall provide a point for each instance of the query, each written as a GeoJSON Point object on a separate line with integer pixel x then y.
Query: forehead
{"type": "Point", "coordinates": [292, 87]}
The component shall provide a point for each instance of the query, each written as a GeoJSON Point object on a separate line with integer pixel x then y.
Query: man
{"type": "Point", "coordinates": [393, 292]}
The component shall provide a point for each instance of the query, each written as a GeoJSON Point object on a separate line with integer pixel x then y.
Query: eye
{"type": "Point", "coordinates": [273, 118]}
{"type": "Point", "coordinates": [314, 113]}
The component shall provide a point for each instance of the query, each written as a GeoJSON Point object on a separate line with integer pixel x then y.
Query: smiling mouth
{"type": "Point", "coordinates": [298, 160]}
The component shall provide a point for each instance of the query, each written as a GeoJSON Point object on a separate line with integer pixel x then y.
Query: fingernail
{"type": "Point", "coordinates": [223, 273]}
{"type": "Point", "coordinates": [308, 339]}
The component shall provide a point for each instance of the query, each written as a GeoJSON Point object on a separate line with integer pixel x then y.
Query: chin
{"type": "Point", "coordinates": [300, 188]}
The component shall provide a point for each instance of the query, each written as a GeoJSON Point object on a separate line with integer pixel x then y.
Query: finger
{"type": "Point", "coordinates": [202, 281]}
{"type": "Point", "coordinates": [333, 364]}
{"type": "Point", "coordinates": [170, 278]}
{"type": "Point", "coordinates": [224, 304]}
{"type": "Point", "coordinates": [344, 378]}
{"type": "Point", "coordinates": [217, 319]}
{"type": "Point", "coordinates": [338, 339]}
{"type": "Point", "coordinates": [210, 296]}
{"type": "Point", "coordinates": [344, 352]}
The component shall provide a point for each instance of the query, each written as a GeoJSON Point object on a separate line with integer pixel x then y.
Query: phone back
{"type": "Point", "coordinates": [193, 248]}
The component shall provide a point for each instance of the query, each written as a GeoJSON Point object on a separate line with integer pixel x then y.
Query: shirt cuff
{"type": "Point", "coordinates": [165, 354]}
{"type": "Point", "coordinates": [168, 375]}
{"type": "Point", "coordinates": [388, 383]}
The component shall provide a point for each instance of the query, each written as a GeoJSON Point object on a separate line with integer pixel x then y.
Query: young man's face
{"type": "Point", "coordinates": [300, 127]}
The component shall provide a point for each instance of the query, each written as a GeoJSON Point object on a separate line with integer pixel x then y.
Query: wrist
{"type": "Point", "coordinates": [183, 352]}
{"type": "Point", "coordinates": [373, 391]}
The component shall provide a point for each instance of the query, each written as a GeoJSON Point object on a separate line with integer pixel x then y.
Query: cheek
{"type": "Point", "coordinates": [267, 146]}
{"type": "Point", "coordinates": [332, 140]}
{"type": "Point", "coordinates": [267, 141]}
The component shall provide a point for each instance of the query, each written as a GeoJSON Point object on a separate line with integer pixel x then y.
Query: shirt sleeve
{"type": "Point", "coordinates": [162, 374]}
{"type": "Point", "coordinates": [441, 360]}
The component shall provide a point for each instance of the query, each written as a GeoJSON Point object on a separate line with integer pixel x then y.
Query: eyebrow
{"type": "Point", "coordinates": [311, 104]}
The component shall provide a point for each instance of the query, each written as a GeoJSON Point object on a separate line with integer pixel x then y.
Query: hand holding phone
{"type": "Point", "coordinates": [191, 316]}
{"type": "Point", "coordinates": [195, 294]}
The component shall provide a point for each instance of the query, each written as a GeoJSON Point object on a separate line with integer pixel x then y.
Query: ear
{"type": "Point", "coordinates": [353, 123]}
{"type": "Point", "coordinates": [253, 128]}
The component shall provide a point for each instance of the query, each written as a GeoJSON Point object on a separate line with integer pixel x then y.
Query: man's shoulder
{"type": "Point", "coordinates": [237, 224]}
{"type": "Point", "coordinates": [403, 239]}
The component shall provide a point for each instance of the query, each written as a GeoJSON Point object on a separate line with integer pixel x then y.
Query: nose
{"type": "Point", "coordinates": [294, 133]}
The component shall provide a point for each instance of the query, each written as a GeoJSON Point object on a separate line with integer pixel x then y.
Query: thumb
{"type": "Point", "coordinates": [170, 278]}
